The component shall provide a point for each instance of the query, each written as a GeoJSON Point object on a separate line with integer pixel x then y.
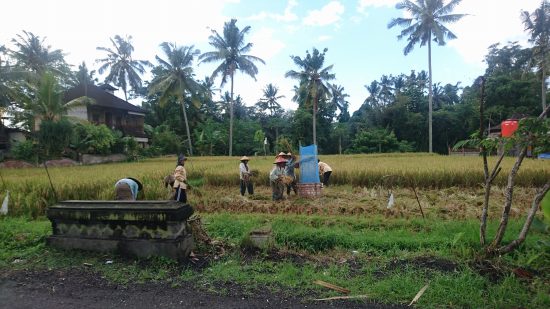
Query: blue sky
{"type": "Point", "coordinates": [360, 46]}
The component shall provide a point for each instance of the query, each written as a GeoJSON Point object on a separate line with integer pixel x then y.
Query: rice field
{"type": "Point", "coordinates": [31, 193]}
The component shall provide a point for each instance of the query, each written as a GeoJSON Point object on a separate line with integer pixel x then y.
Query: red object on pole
{"type": "Point", "coordinates": [508, 127]}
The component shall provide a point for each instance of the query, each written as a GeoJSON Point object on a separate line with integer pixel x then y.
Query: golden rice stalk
{"type": "Point", "coordinates": [287, 179]}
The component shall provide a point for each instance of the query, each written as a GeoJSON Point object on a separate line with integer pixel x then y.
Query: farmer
{"type": "Point", "coordinates": [289, 171]}
{"type": "Point", "coordinates": [324, 171]}
{"type": "Point", "coordinates": [276, 178]}
{"type": "Point", "coordinates": [244, 175]}
{"type": "Point", "coordinates": [127, 189]}
{"type": "Point", "coordinates": [180, 180]}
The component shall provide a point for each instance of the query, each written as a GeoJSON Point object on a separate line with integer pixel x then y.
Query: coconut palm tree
{"type": "Point", "coordinates": [176, 78]}
{"type": "Point", "coordinates": [538, 25]}
{"type": "Point", "coordinates": [339, 101]}
{"type": "Point", "coordinates": [231, 50]}
{"type": "Point", "coordinates": [313, 80]}
{"type": "Point", "coordinates": [269, 100]}
{"type": "Point", "coordinates": [427, 23]}
{"type": "Point", "coordinates": [33, 55]}
{"type": "Point", "coordinates": [124, 71]}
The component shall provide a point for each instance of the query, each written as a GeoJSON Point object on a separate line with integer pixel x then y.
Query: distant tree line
{"type": "Point", "coordinates": [189, 114]}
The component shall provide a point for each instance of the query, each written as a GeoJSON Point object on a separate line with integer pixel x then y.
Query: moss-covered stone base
{"type": "Point", "coordinates": [137, 228]}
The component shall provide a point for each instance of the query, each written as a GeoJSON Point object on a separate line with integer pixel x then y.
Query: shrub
{"type": "Point", "coordinates": [378, 140]}
{"type": "Point", "coordinates": [166, 140]}
{"type": "Point", "coordinates": [53, 137]}
{"type": "Point", "coordinates": [25, 150]}
{"type": "Point", "coordinates": [93, 139]}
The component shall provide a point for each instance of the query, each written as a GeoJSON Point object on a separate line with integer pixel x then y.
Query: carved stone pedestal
{"type": "Point", "coordinates": [136, 228]}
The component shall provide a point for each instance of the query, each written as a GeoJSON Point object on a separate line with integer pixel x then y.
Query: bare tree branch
{"type": "Point", "coordinates": [528, 221]}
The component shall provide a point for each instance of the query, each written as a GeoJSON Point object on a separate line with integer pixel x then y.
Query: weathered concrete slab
{"type": "Point", "coordinates": [138, 228]}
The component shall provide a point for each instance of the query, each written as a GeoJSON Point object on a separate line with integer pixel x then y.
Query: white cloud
{"type": "Point", "coordinates": [329, 14]}
{"type": "Point", "coordinates": [324, 38]}
{"type": "Point", "coordinates": [486, 26]}
{"type": "Point", "coordinates": [265, 44]}
{"type": "Point", "coordinates": [363, 4]}
{"type": "Point", "coordinates": [287, 16]}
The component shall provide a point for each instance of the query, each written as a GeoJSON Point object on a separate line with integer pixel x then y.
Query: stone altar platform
{"type": "Point", "coordinates": [135, 228]}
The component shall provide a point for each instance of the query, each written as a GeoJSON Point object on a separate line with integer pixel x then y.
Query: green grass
{"type": "Point", "coordinates": [373, 256]}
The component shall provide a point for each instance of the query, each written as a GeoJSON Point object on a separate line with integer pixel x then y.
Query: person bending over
{"type": "Point", "coordinates": [127, 189]}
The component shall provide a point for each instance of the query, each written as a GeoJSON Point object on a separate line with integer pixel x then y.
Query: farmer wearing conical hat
{"type": "Point", "coordinates": [244, 175]}
{"type": "Point", "coordinates": [180, 180]}
{"type": "Point", "coordinates": [276, 178]}
{"type": "Point", "coordinates": [127, 189]}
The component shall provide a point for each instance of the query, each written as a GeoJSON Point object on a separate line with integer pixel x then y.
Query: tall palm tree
{"type": "Point", "coordinates": [33, 55]}
{"type": "Point", "coordinates": [538, 25]}
{"type": "Point", "coordinates": [176, 78]}
{"type": "Point", "coordinates": [426, 24]}
{"type": "Point", "coordinates": [269, 99]}
{"type": "Point", "coordinates": [231, 50]}
{"type": "Point", "coordinates": [339, 101]}
{"type": "Point", "coordinates": [124, 71]}
{"type": "Point", "coordinates": [313, 80]}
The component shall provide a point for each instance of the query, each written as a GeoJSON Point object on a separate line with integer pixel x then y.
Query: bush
{"type": "Point", "coordinates": [93, 139]}
{"type": "Point", "coordinates": [166, 140]}
{"type": "Point", "coordinates": [378, 140]}
{"type": "Point", "coordinates": [54, 137]}
{"type": "Point", "coordinates": [26, 151]}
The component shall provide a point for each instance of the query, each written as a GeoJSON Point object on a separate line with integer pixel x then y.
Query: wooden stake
{"type": "Point", "coordinates": [332, 286]}
{"type": "Point", "coordinates": [342, 297]}
{"type": "Point", "coordinates": [422, 290]}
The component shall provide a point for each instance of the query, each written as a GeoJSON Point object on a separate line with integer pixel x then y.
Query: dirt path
{"type": "Point", "coordinates": [77, 288]}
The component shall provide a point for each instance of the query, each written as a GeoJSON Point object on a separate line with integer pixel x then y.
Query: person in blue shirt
{"type": "Point", "coordinates": [127, 189]}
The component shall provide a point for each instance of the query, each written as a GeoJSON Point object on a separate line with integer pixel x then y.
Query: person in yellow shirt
{"type": "Point", "coordinates": [180, 180]}
{"type": "Point", "coordinates": [324, 172]}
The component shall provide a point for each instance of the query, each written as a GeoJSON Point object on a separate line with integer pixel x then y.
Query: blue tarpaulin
{"type": "Point", "coordinates": [544, 156]}
{"type": "Point", "coordinates": [309, 170]}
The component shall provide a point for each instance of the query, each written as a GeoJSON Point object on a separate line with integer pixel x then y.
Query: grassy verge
{"type": "Point", "coordinates": [387, 259]}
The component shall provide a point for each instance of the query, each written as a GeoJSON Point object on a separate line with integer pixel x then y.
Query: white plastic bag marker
{"type": "Point", "coordinates": [391, 201]}
{"type": "Point", "coordinates": [4, 209]}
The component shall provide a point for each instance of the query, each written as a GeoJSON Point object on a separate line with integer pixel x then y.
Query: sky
{"type": "Point", "coordinates": [360, 46]}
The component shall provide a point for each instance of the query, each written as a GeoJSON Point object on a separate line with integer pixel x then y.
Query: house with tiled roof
{"type": "Point", "coordinates": [109, 110]}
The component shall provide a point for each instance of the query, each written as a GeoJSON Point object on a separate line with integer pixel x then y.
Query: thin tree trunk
{"type": "Point", "coordinates": [315, 119]}
{"type": "Point", "coordinates": [186, 125]}
{"type": "Point", "coordinates": [430, 94]}
{"type": "Point", "coordinates": [483, 219]}
{"type": "Point", "coordinates": [487, 177]}
{"type": "Point", "coordinates": [276, 140]}
{"type": "Point", "coordinates": [231, 119]}
{"type": "Point", "coordinates": [340, 144]}
{"type": "Point", "coordinates": [543, 86]}
{"type": "Point", "coordinates": [528, 221]}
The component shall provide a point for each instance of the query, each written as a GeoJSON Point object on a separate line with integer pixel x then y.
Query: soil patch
{"type": "Point", "coordinates": [61, 162]}
{"type": "Point", "coordinates": [488, 270]}
{"type": "Point", "coordinates": [15, 164]}
{"type": "Point", "coordinates": [422, 262]}
{"type": "Point", "coordinates": [81, 288]}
